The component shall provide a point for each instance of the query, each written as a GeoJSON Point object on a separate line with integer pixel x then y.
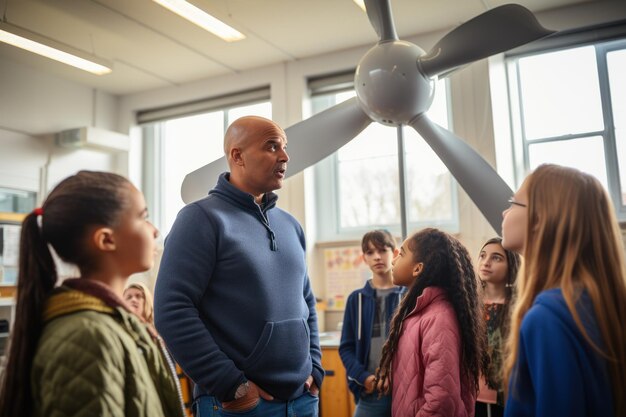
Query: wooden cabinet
{"type": "Point", "coordinates": [7, 315]}
{"type": "Point", "coordinates": [335, 398]}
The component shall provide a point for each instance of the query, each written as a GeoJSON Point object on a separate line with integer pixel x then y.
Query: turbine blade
{"type": "Point", "coordinates": [198, 183]}
{"type": "Point", "coordinates": [497, 30]}
{"type": "Point", "coordinates": [381, 18]}
{"type": "Point", "coordinates": [313, 139]}
{"type": "Point", "coordinates": [479, 180]}
{"type": "Point", "coordinates": [308, 142]}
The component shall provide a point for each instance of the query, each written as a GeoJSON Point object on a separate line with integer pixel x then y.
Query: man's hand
{"type": "Point", "coordinates": [370, 384]}
{"type": "Point", "coordinates": [310, 385]}
{"type": "Point", "coordinates": [248, 401]}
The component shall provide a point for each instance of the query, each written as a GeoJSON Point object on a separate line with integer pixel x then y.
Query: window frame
{"type": "Point", "coordinates": [328, 211]}
{"type": "Point", "coordinates": [604, 40]}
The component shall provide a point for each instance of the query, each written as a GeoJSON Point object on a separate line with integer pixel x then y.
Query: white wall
{"type": "Point", "coordinates": [35, 105]}
{"type": "Point", "coordinates": [21, 158]}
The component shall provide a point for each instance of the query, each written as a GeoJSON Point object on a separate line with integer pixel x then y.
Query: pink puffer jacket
{"type": "Point", "coordinates": [426, 373]}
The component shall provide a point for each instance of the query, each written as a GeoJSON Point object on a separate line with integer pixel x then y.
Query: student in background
{"type": "Point", "coordinates": [366, 325]}
{"type": "Point", "coordinates": [497, 270]}
{"type": "Point", "coordinates": [431, 361]}
{"type": "Point", "coordinates": [567, 344]}
{"type": "Point", "coordinates": [76, 350]}
{"type": "Point", "coordinates": [139, 299]}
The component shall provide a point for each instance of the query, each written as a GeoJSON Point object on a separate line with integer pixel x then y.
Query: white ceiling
{"type": "Point", "coordinates": [151, 47]}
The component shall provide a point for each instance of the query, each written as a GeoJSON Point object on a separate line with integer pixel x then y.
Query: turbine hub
{"type": "Point", "coordinates": [389, 85]}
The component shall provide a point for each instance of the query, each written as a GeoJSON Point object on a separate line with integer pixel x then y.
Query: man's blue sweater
{"type": "Point", "coordinates": [233, 299]}
{"type": "Point", "coordinates": [557, 372]}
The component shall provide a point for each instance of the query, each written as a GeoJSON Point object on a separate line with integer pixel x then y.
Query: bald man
{"type": "Point", "coordinates": [233, 300]}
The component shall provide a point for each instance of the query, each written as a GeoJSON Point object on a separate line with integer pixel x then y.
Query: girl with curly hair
{"type": "Point", "coordinates": [432, 360]}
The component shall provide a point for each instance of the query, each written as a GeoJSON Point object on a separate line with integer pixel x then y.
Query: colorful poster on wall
{"type": "Point", "coordinates": [345, 272]}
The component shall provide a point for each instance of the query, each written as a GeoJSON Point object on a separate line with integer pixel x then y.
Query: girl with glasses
{"type": "Point", "coordinates": [567, 344]}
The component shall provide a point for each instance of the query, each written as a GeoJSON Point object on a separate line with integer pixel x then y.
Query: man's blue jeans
{"type": "Point", "coordinates": [306, 405]}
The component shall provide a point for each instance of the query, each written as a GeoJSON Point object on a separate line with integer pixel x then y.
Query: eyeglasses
{"type": "Point", "coordinates": [515, 203]}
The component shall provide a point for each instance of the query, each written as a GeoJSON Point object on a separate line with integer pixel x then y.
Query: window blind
{"type": "Point", "coordinates": [191, 108]}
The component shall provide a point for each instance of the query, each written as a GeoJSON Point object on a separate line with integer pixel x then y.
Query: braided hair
{"type": "Point", "coordinates": [447, 264]}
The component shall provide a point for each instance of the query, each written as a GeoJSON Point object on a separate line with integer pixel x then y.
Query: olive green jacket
{"type": "Point", "coordinates": [95, 358]}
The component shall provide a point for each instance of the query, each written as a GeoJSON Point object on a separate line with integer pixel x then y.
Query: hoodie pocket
{"type": "Point", "coordinates": [283, 345]}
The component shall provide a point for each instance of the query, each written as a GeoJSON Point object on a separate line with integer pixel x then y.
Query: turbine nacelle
{"type": "Point", "coordinates": [390, 88]}
{"type": "Point", "coordinates": [394, 86]}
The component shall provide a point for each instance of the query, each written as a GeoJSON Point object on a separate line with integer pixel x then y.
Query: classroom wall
{"type": "Point", "coordinates": [33, 107]}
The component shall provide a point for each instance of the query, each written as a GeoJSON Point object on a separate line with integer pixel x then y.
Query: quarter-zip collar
{"type": "Point", "coordinates": [225, 190]}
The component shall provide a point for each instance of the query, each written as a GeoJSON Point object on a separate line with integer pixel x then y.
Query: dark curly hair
{"type": "Point", "coordinates": [447, 265]}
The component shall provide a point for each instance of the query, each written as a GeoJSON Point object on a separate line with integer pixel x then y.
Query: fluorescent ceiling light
{"type": "Point", "coordinates": [361, 4]}
{"type": "Point", "coordinates": [50, 49]}
{"type": "Point", "coordinates": [202, 19]}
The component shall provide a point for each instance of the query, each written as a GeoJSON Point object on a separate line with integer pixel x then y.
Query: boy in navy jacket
{"type": "Point", "coordinates": [366, 324]}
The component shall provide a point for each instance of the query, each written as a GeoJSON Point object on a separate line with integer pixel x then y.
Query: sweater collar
{"type": "Point", "coordinates": [225, 189]}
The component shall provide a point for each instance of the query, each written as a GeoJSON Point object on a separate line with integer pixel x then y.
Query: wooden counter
{"type": "Point", "coordinates": [335, 398]}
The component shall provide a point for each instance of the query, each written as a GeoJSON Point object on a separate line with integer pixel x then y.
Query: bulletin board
{"type": "Point", "coordinates": [345, 272]}
{"type": "Point", "coordinates": [10, 229]}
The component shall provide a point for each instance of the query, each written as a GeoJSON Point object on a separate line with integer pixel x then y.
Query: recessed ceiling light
{"type": "Point", "coordinates": [49, 48]}
{"type": "Point", "coordinates": [202, 19]}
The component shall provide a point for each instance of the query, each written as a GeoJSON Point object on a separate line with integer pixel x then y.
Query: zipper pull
{"type": "Point", "coordinates": [273, 241]}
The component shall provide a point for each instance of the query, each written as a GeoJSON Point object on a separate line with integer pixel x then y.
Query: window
{"type": "Point", "coordinates": [16, 201]}
{"type": "Point", "coordinates": [358, 187]}
{"type": "Point", "coordinates": [568, 107]}
{"type": "Point", "coordinates": [175, 147]}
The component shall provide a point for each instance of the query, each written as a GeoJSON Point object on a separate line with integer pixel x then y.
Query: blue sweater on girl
{"type": "Point", "coordinates": [233, 299]}
{"type": "Point", "coordinates": [557, 372]}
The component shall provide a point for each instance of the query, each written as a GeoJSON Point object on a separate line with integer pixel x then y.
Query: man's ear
{"type": "Point", "coordinates": [236, 156]}
{"type": "Point", "coordinates": [396, 252]}
{"type": "Point", "coordinates": [417, 269]}
{"type": "Point", "coordinates": [104, 239]}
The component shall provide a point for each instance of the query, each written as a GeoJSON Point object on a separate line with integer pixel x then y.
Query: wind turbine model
{"type": "Point", "coordinates": [394, 82]}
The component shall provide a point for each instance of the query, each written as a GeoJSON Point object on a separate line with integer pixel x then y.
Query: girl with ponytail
{"type": "Point", "coordinates": [76, 349]}
{"type": "Point", "coordinates": [434, 355]}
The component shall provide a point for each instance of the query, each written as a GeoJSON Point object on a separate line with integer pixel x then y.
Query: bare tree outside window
{"type": "Point", "coordinates": [365, 176]}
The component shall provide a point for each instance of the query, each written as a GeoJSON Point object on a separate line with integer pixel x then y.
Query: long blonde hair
{"type": "Point", "coordinates": [573, 242]}
{"type": "Point", "coordinates": [148, 310]}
